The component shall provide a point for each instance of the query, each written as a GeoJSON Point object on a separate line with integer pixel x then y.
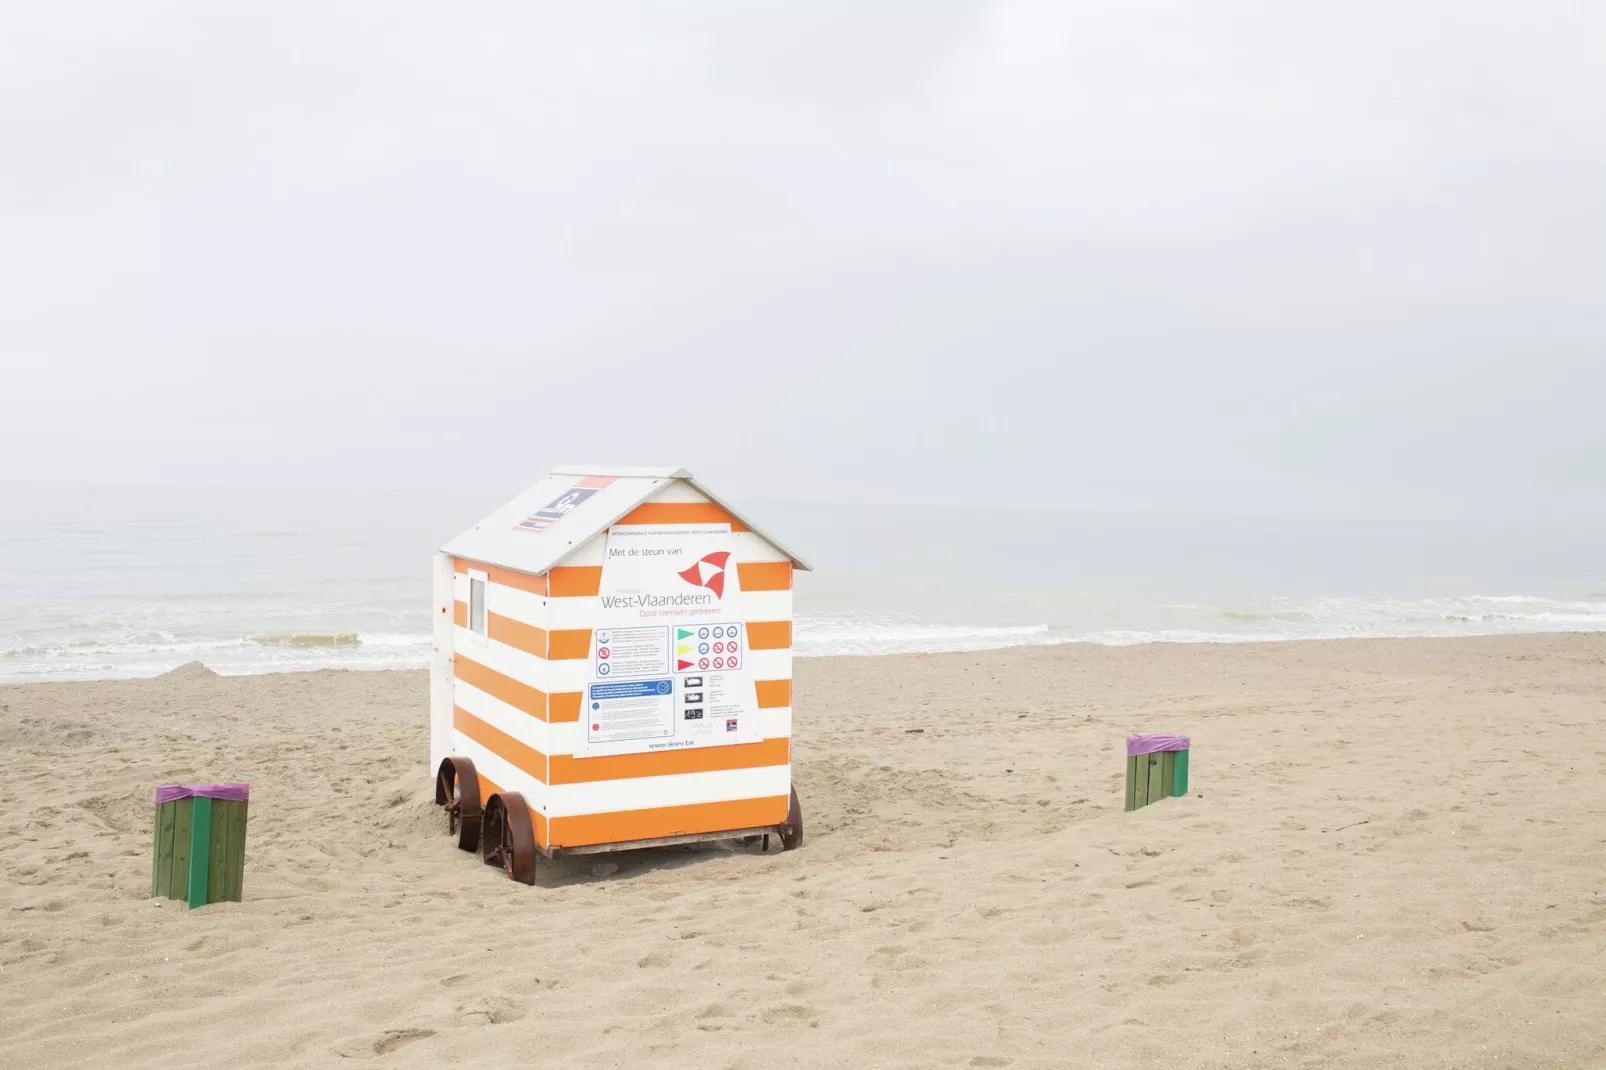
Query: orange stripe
{"type": "Point", "coordinates": [567, 769]}
{"type": "Point", "coordinates": [570, 645]}
{"type": "Point", "coordinates": [773, 693]}
{"type": "Point", "coordinates": [521, 580]}
{"type": "Point", "coordinates": [668, 821]}
{"type": "Point", "coordinates": [460, 614]}
{"type": "Point", "coordinates": [769, 634]}
{"type": "Point", "coordinates": [563, 645]}
{"type": "Point", "coordinates": [575, 581]}
{"type": "Point", "coordinates": [538, 822]}
{"type": "Point", "coordinates": [488, 787]}
{"type": "Point", "coordinates": [520, 756]}
{"type": "Point", "coordinates": [564, 707]}
{"type": "Point", "coordinates": [680, 513]}
{"type": "Point", "coordinates": [505, 576]}
{"type": "Point", "coordinates": [520, 696]}
{"type": "Point", "coordinates": [517, 634]}
{"type": "Point", "coordinates": [596, 482]}
{"type": "Point", "coordinates": [764, 575]}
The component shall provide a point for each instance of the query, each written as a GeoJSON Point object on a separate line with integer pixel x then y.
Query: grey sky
{"type": "Point", "coordinates": [1269, 255]}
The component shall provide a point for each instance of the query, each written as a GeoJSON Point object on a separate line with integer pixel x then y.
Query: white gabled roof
{"type": "Point", "coordinates": [498, 539]}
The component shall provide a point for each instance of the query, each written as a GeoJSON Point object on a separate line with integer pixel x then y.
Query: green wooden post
{"type": "Point", "coordinates": [1140, 796]}
{"type": "Point", "coordinates": [234, 885]}
{"type": "Point", "coordinates": [200, 851]}
{"type": "Point", "coordinates": [1168, 761]}
{"type": "Point", "coordinates": [162, 867]}
{"type": "Point", "coordinates": [1179, 777]}
{"type": "Point", "coordinates": [228, 851]}
{"type": "Point", "coordinates": [1131, 782]}
{"type": "Point", "coordinates": [179, 879]}
{"type": "Point", "coordinates": [237, 885]}
{"type": "Point", "coordinates": [219, 848]}
{"type": "Point", "coordinates": [1157, 788]}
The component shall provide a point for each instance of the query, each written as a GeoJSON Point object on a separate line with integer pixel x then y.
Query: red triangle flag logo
{"type": "Point", "coordinates": [709, 572]}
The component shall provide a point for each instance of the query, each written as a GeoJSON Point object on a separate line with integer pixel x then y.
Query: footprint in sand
{"type": "Point", "coordinates": [392, 1039]}
{"type": "Point", "coordinates": [384, 1044]}
{"type": "Point", "coordinates": [794, 1013]}
{"type": "Point", "coordinates": [493, 1010]}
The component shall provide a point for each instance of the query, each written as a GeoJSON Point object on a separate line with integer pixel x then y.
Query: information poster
{"type": "Point", "coordinates": [625, 711]}
{"type": "Point", "coordinates": [669, 653]}
{"type": "Point", "coordinates": [630, 652]}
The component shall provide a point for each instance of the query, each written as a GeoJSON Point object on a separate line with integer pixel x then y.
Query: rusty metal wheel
{"type": "Point", "coordinates": [792, 831]}
{"type": "Point", "coordinates": [457, 787]}
{"type": "Point", "coordinates": [508, 839]}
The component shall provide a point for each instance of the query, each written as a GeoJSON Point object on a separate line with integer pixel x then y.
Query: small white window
{"type": "Point", "coordinates": [476, 603]}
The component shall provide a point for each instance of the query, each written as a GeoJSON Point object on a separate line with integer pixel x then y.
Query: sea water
{"type": "Point", "coordinates": [103, 583]}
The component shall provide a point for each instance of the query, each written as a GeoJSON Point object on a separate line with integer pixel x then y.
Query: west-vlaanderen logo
{"type": "Point", "coordinates": [709, 572]}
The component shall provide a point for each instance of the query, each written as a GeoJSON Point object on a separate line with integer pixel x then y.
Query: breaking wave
{"type": "Point", "coordinates": [306, 639]}
{"type": "Point", "coordinates": [1273, 621]}
{"type": "Point", "coordinates": [900, 635]}
{"type": "Point", "coordinates": [149, 652]}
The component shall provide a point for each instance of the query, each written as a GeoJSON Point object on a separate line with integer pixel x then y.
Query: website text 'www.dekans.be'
{"type": "Point", "coordinates": [667, 744]}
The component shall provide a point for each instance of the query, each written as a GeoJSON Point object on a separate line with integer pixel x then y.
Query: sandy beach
{"type": "Point", "coordinates": [1394, 854]}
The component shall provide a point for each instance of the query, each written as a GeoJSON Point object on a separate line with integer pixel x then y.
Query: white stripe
{"type": "Point", "coordinates": [568, 675]}
{"type": "Point", "coordinates": [682, 789]}
{"type": "Point", "coordinates": [516, 604]}
{"type": "Point", "coordinates": [564, 738]}
{"type": "Point", "coordinates": [502, 773]}
{"type": "Point", "coordinates": [567, 613]}
{"type": "Point", "coordinates": [769, 664]}
{"type": "Point", "coordinates": [504, 718]}
{"type": "Point", "coordinates": [775, 722]}
{"type": "Point", "coordinates": [507, 660]}
{"type": "Point", "coordinates": [766, 605]}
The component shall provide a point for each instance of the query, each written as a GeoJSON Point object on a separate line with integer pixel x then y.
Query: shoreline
{"type": "Point", "coordinates": [1076, 643]}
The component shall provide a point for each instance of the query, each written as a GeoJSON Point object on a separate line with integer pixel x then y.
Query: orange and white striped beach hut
{"type": "Point", "coordinates": [612, 669]}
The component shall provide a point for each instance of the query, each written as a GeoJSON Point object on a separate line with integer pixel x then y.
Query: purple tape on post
{"type": "Point", "coordinates": [166, 793]}
{"type": "Point", "coordinates": [1136, 745]}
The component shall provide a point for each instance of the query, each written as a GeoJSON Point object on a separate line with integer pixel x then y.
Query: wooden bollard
{"type": "Point", "coordinates": [199, 855]}
{"type": "Point", "coordinates": [1156, 768]}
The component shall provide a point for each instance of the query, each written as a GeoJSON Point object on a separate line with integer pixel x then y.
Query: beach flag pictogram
{"type": "Point", "coordinates": [685, 647]}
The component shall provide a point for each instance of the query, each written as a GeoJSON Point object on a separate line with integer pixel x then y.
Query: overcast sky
{"type": "Point", "coordinates": [1269, 256]}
